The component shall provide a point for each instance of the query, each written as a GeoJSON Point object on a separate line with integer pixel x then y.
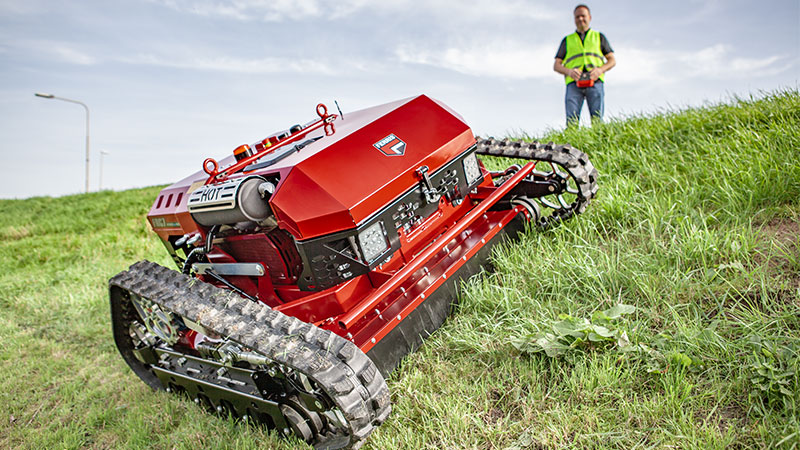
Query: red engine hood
{"type": "Point", "coordinates": [340, 180]}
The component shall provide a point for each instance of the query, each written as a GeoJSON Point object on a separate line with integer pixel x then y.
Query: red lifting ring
{"type": "Point", "coordinates": [322, 111]}
{"type": "Point", "coordinates": [214, 169]}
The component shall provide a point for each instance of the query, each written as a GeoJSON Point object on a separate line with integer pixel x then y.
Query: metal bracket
{"type": "Point", "coordinates": [244, 269]}
{"type": "Point", "coordinates": [432, 195]}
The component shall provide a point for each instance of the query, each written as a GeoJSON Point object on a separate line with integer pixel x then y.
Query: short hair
{"type": "Point", "coordinates": [582, 6]}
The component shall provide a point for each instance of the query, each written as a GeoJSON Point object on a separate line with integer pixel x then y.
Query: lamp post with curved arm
{"type": "Point", "coordinates": [43, 95]}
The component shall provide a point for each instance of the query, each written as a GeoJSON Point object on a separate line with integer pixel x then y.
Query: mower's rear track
{"type": "Point", "coordinates": [572, 161]}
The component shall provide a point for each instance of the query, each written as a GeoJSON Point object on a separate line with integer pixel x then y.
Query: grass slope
{"type": "Point", "coordinates": [697, 225]}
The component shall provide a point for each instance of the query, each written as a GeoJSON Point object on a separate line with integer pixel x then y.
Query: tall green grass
{"type": "Point", "coordinates": [697, 225]}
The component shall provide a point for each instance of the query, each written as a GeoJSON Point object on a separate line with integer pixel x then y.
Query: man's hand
{"type": "Point", "coordinates": [595, 73]}
{"type": "Point", "coordinates": [559, 67]}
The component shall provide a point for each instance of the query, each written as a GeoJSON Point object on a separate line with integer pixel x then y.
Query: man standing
{"type": "Point", "coordinates": [583, 58]}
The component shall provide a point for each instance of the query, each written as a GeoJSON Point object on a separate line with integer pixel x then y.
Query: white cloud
{"type": "Point", "coordinates": [510, 59]}
{"type": "Point", "coordinates": [235, 65]}
{"type": "Point", "coordinates": [251, 10]}
{"type": "Point", "coordinates": [718, 63]}
{"type": "Point", "coordinates": [57, 51]}
{"type": "Point", "coordinates": [473, 10]}
{"type": "Point", "coordinates": [14, 7]}
{"type": "Point", "coordinates": [72, 55]}
{"type": "Point", "coordinates": [279, 10]}
{"type": "Point", "coordinates": [500, 59]}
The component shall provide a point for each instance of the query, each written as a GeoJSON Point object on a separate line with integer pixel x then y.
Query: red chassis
{"type": "Point", "coordinates": [320, 192]}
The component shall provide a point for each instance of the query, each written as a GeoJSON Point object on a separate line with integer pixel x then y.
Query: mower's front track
{"type": "Point", "coordinates": [301, 378]}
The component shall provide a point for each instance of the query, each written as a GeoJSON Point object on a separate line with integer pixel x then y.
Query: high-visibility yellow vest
{"type": "Point", "coordinates": [584, 55]}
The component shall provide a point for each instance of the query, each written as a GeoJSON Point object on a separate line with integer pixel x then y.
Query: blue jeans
{"type": "Point", "coordinates": [574, 102]}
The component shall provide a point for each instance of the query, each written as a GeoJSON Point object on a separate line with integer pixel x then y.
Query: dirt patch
{"type": "Point", "coordinates": [783, 230]}
{"type": "Point", "coordinates": [495, 413]}
{"type": "Point", "coordinates": [781, 250]}
{"type": "Point", "coordinates": [13, 233]}
{"type": "Point", "coordinates": [730, 415]}
{"type": "Point", "coordinates": [493, 416]}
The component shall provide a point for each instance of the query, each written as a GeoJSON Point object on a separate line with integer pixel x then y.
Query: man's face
{"type": "Point", "coordinates": [582, 19]}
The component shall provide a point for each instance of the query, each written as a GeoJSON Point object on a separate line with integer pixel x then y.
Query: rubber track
{"type": "Point", "coordinates": [574, 161]}
{"type": "Point", "coordinates": [337, 365]}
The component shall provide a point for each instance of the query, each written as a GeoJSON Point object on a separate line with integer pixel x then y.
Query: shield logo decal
{"type": "Point", "coordinates": [391, 145]}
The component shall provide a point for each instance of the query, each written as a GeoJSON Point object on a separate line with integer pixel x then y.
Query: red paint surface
{"type": "Point", "coordinates": [336, 183]}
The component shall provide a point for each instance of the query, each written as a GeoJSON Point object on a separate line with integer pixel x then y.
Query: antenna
{"type": "Point", "coordinates": [340, 109]}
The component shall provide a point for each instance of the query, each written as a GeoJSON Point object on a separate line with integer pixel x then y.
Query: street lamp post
{"type": "Point", "coordinates": [42, 95]}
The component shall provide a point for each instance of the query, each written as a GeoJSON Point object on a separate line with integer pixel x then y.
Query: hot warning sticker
{"type": "Point", "coordinates": [391, 145]}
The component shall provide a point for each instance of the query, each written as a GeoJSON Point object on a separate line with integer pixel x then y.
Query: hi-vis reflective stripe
{"type": "Point", "coordinates": [582, 55]}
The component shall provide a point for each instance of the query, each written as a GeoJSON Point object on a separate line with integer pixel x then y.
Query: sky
{"type": "Point", "coordinates": [171, 82]}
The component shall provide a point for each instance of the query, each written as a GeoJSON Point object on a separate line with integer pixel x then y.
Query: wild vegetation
{"type": "Point", "coordinates": [667, 316]}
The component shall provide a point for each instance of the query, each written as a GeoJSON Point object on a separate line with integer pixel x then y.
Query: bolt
{"type": "Point", "coordinates": [219, 408]}
{"type": "Point", "coordinates": [245, 418]}
{"type": "Point", "coordinates": [182, 361]}
{"type": "Point", "coordinates": [286, 431]}
{"type": "Point", "coordinates": [169, 389]}
{"type": "Point", "coordinates": [551, 188]}
{"type": "Point", "coordinates": [318, 404]}
{"type": "Point", "coordinates": [272, 372]}
{"type": "Point", "coordinates": [197, 400]}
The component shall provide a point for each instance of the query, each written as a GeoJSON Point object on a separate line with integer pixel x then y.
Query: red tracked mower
{"type": "Point", "coordinates": [310, 263]}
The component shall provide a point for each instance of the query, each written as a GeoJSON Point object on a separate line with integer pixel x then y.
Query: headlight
{"type": "Point", "coordinates": [373, 241]}
{"type": "Point", "coordinates": [471, 168]}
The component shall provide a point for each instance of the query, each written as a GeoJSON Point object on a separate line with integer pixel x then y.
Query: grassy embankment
{"type": "Point", "coordinates": [697, 226]}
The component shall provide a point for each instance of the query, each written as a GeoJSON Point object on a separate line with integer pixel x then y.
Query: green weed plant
{"type": "Point", "coordinates": [602, 331]}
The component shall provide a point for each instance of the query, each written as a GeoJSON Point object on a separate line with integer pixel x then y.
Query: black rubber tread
{"type": "Point", "coordinates": [335, 364]}
{"type": "Point", "coordinates": [572, 160]}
